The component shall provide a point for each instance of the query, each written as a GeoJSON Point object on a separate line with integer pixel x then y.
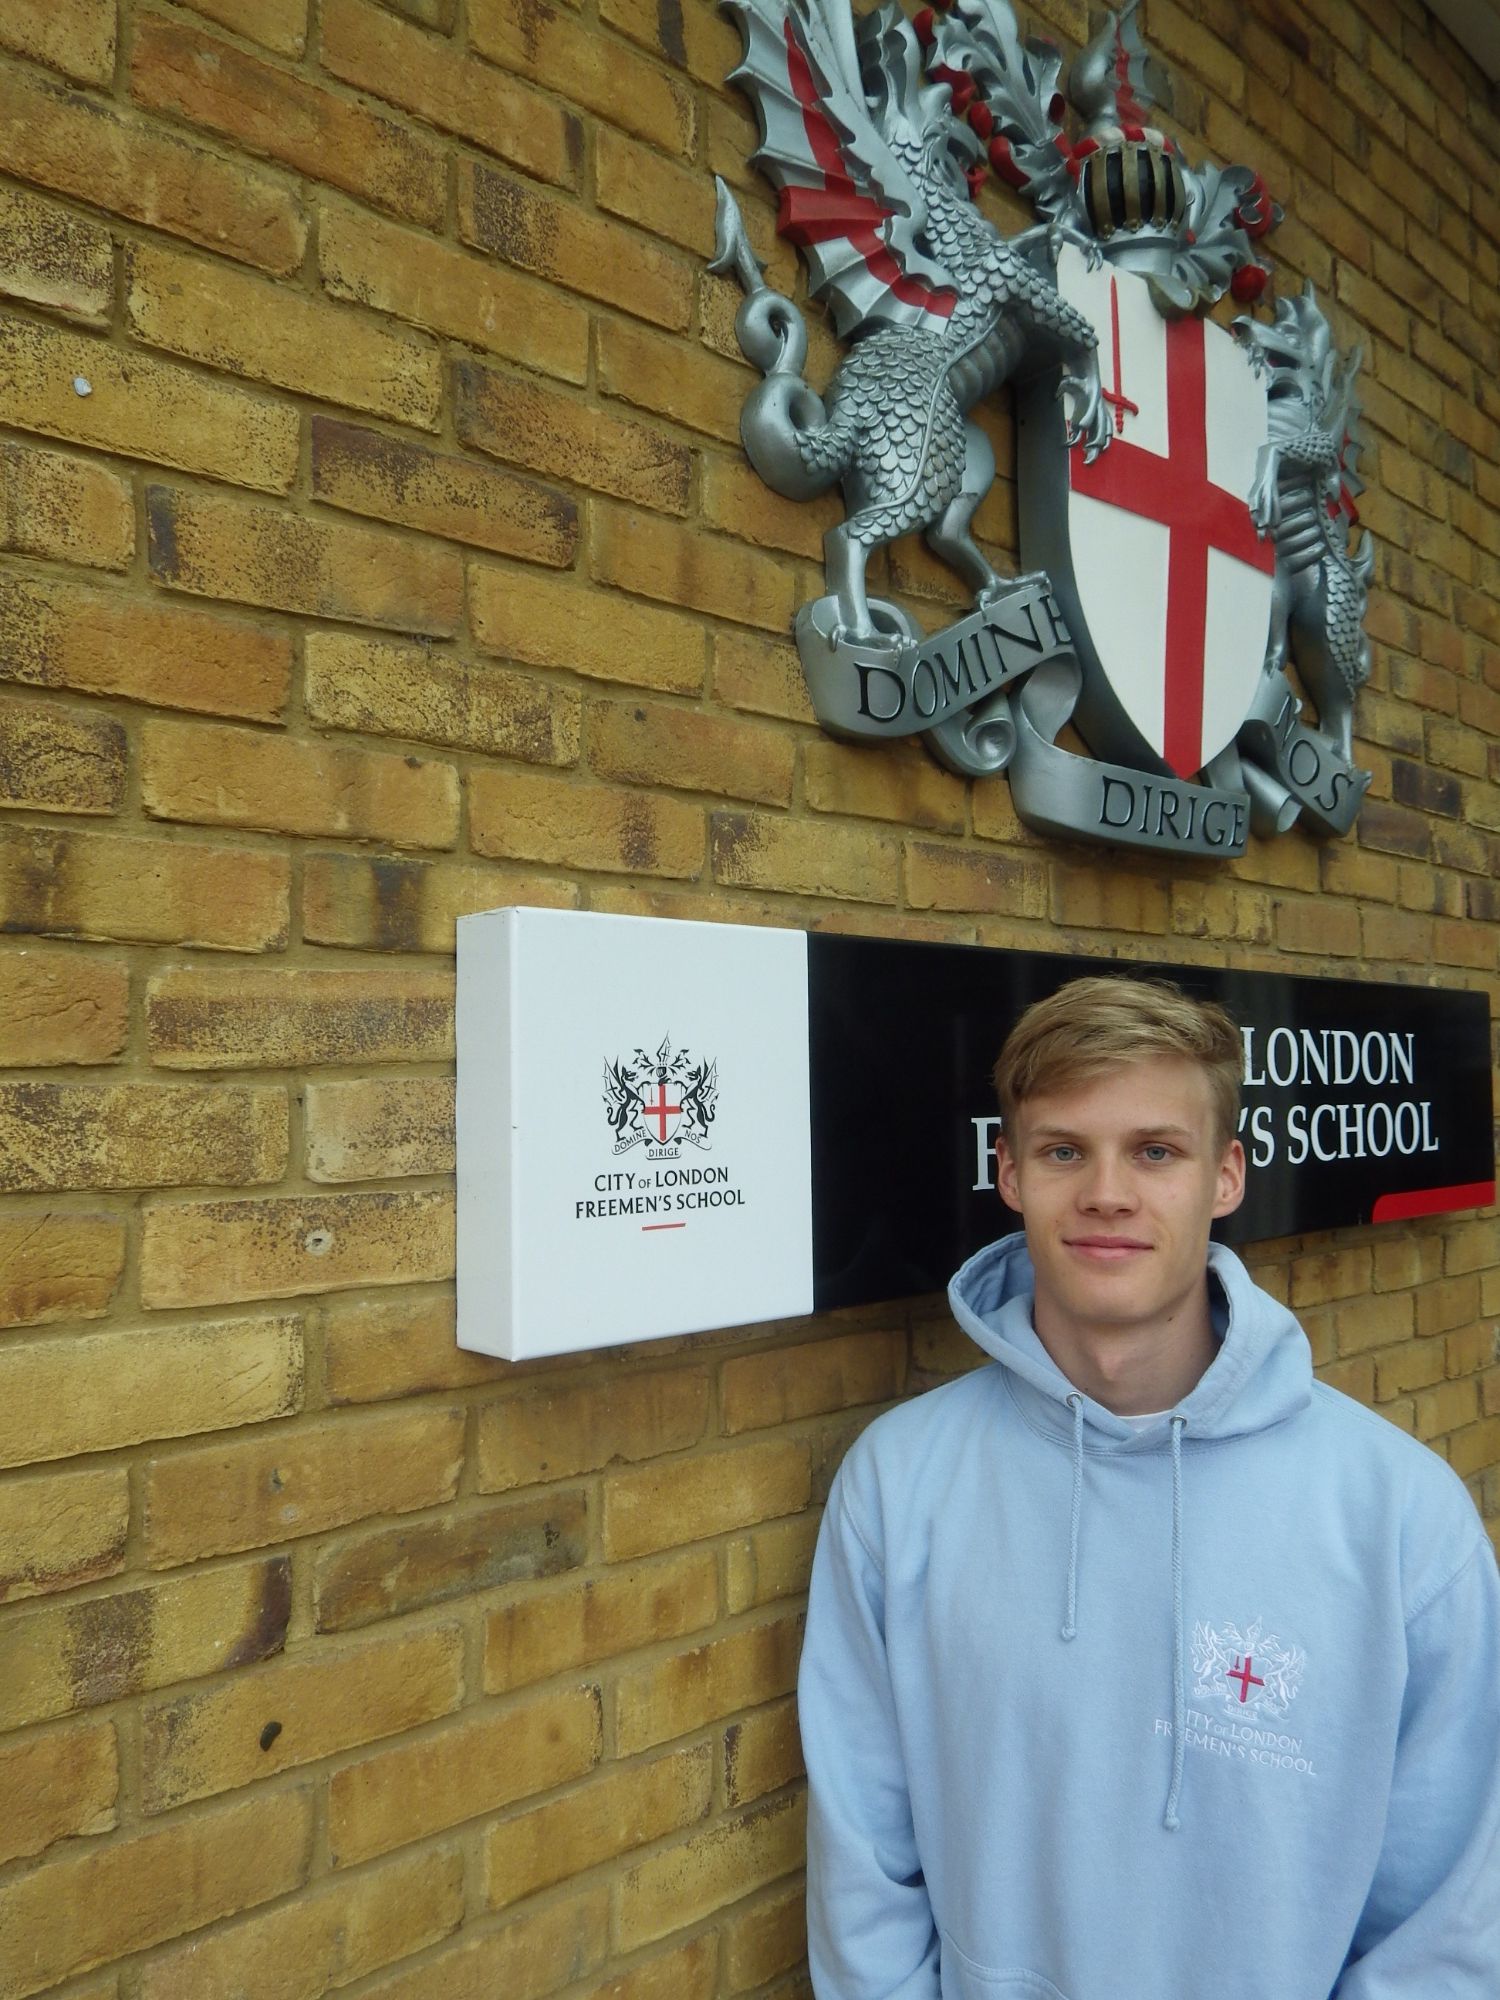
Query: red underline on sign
{"type": "Point", "coordinates": [1433, 1201]}
{"type": "Point", "coordinates": [647, 1227]}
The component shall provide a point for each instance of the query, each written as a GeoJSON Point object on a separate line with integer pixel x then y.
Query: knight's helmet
{"type": "Point", "coordinates": [1132, 183]}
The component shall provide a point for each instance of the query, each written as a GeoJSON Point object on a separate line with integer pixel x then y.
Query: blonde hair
{"type": "Point", "coordinates": [1094, 1025]}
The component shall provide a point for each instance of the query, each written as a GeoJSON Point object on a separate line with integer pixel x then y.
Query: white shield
{"type": "Point", "coordinates": [1151, 550]}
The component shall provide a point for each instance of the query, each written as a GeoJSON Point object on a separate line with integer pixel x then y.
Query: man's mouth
{"type": "Point", "coordinates": [1107, 1249]}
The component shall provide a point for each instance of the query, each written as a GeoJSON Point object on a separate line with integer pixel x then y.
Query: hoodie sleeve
{"type": "Point", "coordinates": [1432, 1920]}
{"type": "Point", "coordinates": [870, 1928]}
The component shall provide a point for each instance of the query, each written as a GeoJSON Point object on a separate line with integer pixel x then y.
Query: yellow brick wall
{"type": "Point", "coordinates": [377, 547]}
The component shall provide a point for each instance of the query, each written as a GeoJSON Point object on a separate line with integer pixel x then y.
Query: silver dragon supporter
{"type": "Point", "coordinates": [1169, 655]}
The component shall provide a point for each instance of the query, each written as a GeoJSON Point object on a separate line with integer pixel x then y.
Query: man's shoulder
{"type": "Point", "coordinates": [901, 1441]}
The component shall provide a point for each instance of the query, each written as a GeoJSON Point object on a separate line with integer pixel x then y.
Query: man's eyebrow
{"type": "Point", "coordinates": [1137, 1132]}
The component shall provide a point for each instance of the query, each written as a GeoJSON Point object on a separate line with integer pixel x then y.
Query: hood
{"type": "Point", "coordinates": [1261, 1375]}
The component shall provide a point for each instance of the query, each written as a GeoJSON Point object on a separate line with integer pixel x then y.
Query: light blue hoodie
{"type": "Point", "coordinates": [1210, 1712]}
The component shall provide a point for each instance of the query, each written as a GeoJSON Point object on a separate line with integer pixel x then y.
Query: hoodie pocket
{"type": "Point", "coordinates": [963, 1978]}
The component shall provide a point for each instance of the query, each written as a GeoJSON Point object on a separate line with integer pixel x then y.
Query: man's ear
{"type": "Point", "coordinates": [1231, 1188]}
{"type": "Point", "coordinates": [1006, 1178]}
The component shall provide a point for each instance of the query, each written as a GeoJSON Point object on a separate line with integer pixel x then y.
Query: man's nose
{"type": "Point", "coordinates": [1108, 1184]}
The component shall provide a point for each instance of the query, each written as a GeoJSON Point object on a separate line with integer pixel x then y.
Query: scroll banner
{"type": "Point", "coordinates": [667, 1126]}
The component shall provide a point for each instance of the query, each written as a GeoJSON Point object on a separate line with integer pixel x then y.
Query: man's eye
{"type": "Point", "coordinates": [1156, 1153]}
{"type": "Point", "coordinates": [1063, 1153]}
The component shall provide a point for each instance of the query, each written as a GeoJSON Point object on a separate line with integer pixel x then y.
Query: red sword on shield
{"type": "Point", "coordinates": [1116, 398]}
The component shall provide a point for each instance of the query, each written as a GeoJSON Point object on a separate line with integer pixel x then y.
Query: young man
{"type": "Point", "coordinates": [1140, 1666]}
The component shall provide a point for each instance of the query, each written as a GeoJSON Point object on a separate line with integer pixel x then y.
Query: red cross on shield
{"type": "Point", "coordinates": [1164, 581]}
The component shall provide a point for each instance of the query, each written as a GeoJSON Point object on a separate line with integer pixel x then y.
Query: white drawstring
{"type": "Point", "coordinates": [1070, 1623]}
{"type": "Point", "coordinates": [1179, 1697]}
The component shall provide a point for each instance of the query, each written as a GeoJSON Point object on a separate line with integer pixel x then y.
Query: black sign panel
{"type": "Point", "coordinates": [1362, 1102]}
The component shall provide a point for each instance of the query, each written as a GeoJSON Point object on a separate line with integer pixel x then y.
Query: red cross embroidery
{"type": "Point", "coordinates": [1243, 1675]}
{"type": "Point", "coordinates": [661, 1111]}
{"type": "Point", "coordinates": [1177, 491]}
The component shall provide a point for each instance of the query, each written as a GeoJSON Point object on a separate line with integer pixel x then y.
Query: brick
{"type": "Point", "coordinates": [1470, 1246]}
{"type": "Point", "coordinates": [211, 1499]}
{"type": "Point", "coordinates": [681, 565]}
{"type": "Point", "coordinates": [57, 1786]}
{"type": "Point", "coordinates": [769, 1563]}
{"type": "Point", "coordinates": [98, 1391]}
{"type": "Point", "coordinates": [601, 1820]}
{"type": "Point", "coordinates": [542, 621]}
{"type": "Point", "coordinates": [1450, 1303]}
{"type": "Point", "coordinates": [59, 1530]}
{"type": "Point", "coordinates": [583, 1623]}
{"type": "Point", "coordinates": [640, 186]}
{"type": "Point", "coordinates": [200, 1019]}
{"type": "Point", "coordinates": [279, 25]}
{"type": "Point", "coordinates": [1380, 1320]}
{"type": "Point", "coordinates": [50, 257]}
{"type": "Point", "coordinates": [559, 1429]}
{"type": "Point", "coordinates": [1330, 1274]}
{"type": "Point", "coordinates": [734, 498]}
{"type": "Point", "coordinates": [394, 1570]}
{"type": "Point", "coordinates": [78, 146]}
{"type": "Point", "coordinates": [551, 47]}
{"type": "Point", "coordinates": [377, 1349]}
{"type": "Point", "coordinates": [58, 1264]}
{"type": "Point", "coordinates": [365, 47]}
{"type": "Point", "coordinates": [1327, 928]}
{"type": "Point", "coordinates": [477, 1765]}
{"type": "Point", "coordinates": [441, 493]}
{"type": "Point", "coordinates": [526, 423]}
{"type": "Point", "coordinates": [291, 562]}
{"type": "Point", "coordinates": [523, 1959]}
{"type": "Point", "coordinates": [661, 1506]}
{"type": "Point", "coordinates": [644, 367]}
{"type": "Point", "coordinates": [172, 656]}
{"type": "Point", "coordinates": [74, 36]}
{"type": "Point", "coordinates": [687, 1882]}
{"type": "Point", "coordinates": [213, 1252]}
{"type": "Point", "coordinates": [326, 1938]}
{"type": "Point", "coordinates": [60, 1007]}
{"type": "Point", "coordinates": [326, 1699]}
{"type": "Point", "coordinates": [393, 904]}
{"type": "Point", "coordinates": [652, 744]}
{"type": "Point", "coordinates": [675, 1696]}
{"type": "Point", "coordinates": [1448, 1407]}
{"type": "Point", "coordinates": [890, 783]}
{"type": "Point", "coordinates": [517, 222]}
{"type": "Point", "coordinates": [53, 504]}
{"type": "Point", "coordinates": [265, 109]}
{"type": "Point", "coordinates": [769, 1939]}
{"type": "Point", "coordinates": [1402, 1260]}
{"type": "Point", "coordinates": [1475, 1448]}
{"type": "Point", "coordinates": [141, 407]}
{"type": "Point", "coordinates": [940, 877]}
{"type": "Point", "coordinates": [385, 688]}
{"type": "Point", "coordinates": [413, 277]}
{"type": "Point", "coordinates": [80, 1654]}
{"type": "Point", "coordinates": [689, 1973]}
{"type": "Point", "coordinates": [84, 1135]}
{"type": "Point", "coordinates": [524, 816]}
{"type": "Point", "coordinates": [762, 1753]}
{"type": "Point", "coordinates": [379, 1129]}
{"type": "Point", "coordinates": [692, 36]}
{"type": "Point", "coordinates": [87, 1909]}
{"type": "Point", "coordinates": [751, 673]}
{"type": "Point", "coordinates": [778, 1386]}
{"type": "Point", "coordinates": [61, 760]}
{"type": "Point", "coordinates": [1469, 1352]}
{"type": "Point", "coordinates": [251, 326]}
{"type": "Point", "coordinates": [1225, 910]}
{"type": "Point", "coordinates": [755, 851]}
{"type": "Point", "coordinates": [1417, 1366]}
{"type": "Point", "coordinates": [209, 774]}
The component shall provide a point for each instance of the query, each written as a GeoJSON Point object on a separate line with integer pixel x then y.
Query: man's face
{"type": "Point", "coordinates": [1117, 1181]}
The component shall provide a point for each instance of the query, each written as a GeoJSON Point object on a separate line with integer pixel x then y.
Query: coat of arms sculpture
{"type": "Point", "coordinates": [1186, 493]}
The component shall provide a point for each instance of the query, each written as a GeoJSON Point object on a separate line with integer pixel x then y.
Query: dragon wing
{"type": "Point", "coordinates": [845, 198]}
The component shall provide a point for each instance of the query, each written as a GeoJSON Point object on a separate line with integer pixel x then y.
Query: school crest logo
{"type": "Point", "coordinates": [1249, 1672]}
{"type": "Point", "coordinates": [663, 1101]}
{"type": "Point", "coordinates": [1185, 493]}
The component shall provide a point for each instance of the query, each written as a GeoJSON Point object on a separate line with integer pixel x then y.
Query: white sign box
{"type": "Point", "coordinates": [633, 1129]}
